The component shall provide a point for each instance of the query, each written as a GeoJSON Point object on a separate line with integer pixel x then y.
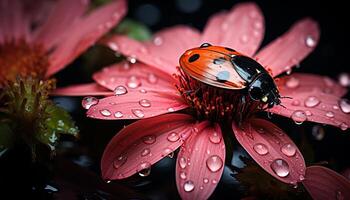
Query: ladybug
{"type": "Point", "coordinates": [226, 68]}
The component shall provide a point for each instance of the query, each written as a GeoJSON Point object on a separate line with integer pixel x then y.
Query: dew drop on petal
{"type": "Point", "coordinates": [118, 114]}
{"type": "Point", "coordinates": [214, 163]}
{"type": "Point", "coordinates": [143, 91]}
{"type": "Point", "coordinates": [119, 161]}
{"type": "Point", "coordinates": [318, 132]}
{"type": "Point", "coordinates": [205, 180]}
{"type": "Point", "coordinates": [310, 41]}
{"type": "Point", "coordinates": [149, 139]}
{"type": "Point", "coordinates": [312, 101]}
{"type": "Point", "coordinates": [152, 78]}
{"type": "Point", "coordinates": [299, 116]}
{"type": "Point", "coordinates": [288, 150]}
{"type": "Point", "coordinates": [344, 105]}
{"type": "Point", "coordinates": [343, 126]}
{"type": "Point", "coordinates": [166, 152]}
{"type": "Point", "coordinates": [138, 113]}
{"type": "Point", "coordinates": [171, 109]}
{"type": "Point", "coordinates": [173, 137]}
{"type": "Point", "coordinates": [214, 137]}
{"type": "Point", "coordinates": [113, 46]}
{"type": "Point", "coordinates": [105, 112]}
{"type": "Point", "coordinates": [280, 167]}
{"type": "Point", "coordinates": [301, 177]}
{"type": "Point", "coordinates": [295, 103]}
{"type": "Point", "coordinates": [145, 103]}
{"type": "Point", "coordinates": [344, 79]}
{"type": "Point", "coordinates": [144, 169]}
{"type": "Point", "coordinates": [261, 149]}
{"type": "Point", "coordinates": [292, 82]}
{"type": "Point", "coordinates": [87, 102]}
{"type": "Point", "coordinates": [183, 175]}
{"type": "Point", "coordinates": [330, 114]}
{"type": "Point", "coordinates": [145, 152]}
{"type": "Point", "coordinates": [188, 186]}
{"type": "Point", "coordinates": [132, 59]}
{"type": "Point", "coordinates": [133, 82]}
{"type": "Point", "coordinates": [182, 162]}
{"type": "Point", "coordinates": [157, 41]}
{"type": "Point", "coordinates": [120, 90]}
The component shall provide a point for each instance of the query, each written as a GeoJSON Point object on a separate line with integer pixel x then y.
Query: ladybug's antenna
{"type": "Point", "coordinates": [282, 106]}
{"type": "Point", "coordinates": [285, 97]}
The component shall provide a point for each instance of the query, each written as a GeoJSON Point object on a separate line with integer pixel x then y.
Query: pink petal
{"type": "Point", "coordinates": [85, 32]}
{"type": "Point", "coordinates": [135, 77]}
{"type": "Point", "coordinates": [316, 99]}
{"type": "Point", "coordinates": [12, 21]}
{"type": "Point", "coordinates": [143, 143]}
{"type": "Point", "coordinates": [272, 149]}
{"type": "Point", "coordinates": [323, 183]}
{"type": "Point", "coordinates": [291, 48]}
{"type": "Point", "coordinates": [89, 89]}
{"type": "Point", "coordinates": [200, 162]}
{"type": "Point", "coordinates": [163, 52]}
{"type": "Point", "coordinates": [64, 14]}
{"type": "Point", "coordinates": [241, 29]}
{"type": "Point", "coordinates": [137, 104]}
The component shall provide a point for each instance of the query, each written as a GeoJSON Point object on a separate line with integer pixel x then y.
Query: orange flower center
{"type": "Point", "coordinates": [18, 58]}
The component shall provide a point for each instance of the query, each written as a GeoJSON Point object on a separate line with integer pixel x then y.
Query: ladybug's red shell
{"type": "Point", "coordinates": [212, 65]}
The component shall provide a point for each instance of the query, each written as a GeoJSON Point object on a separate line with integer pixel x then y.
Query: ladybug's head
{"type": "Point", "coordinates": [263, 89]}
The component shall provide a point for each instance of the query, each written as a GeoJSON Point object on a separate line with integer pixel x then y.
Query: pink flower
{"type": "Point", "coordinates": [62, 30]}
{"type": "Point", "coordinates": [145, 89]}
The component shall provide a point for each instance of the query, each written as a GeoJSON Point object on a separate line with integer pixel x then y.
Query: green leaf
{"type": "Point", "coordinates": [133, 29]}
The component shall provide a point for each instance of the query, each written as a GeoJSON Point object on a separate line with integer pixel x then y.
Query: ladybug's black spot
{"type": "Point", "coordinates": [219, 61]}
{"type": "Point", "coordinates": [223, 76]}
{"type": "Point", "coordinates": [229, 49]}
{"type": "Point", "coordinates": [205, 45]}
{"type": "Point", "coordinates": [193, 58]}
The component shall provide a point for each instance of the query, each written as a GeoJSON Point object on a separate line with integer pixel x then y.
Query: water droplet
{"type": "Point", "coordinates": [166, 152]}
{"type": "Point", "coordinates": [214, 137]}
{"type": "Point", "coordinates": [171, 109]}
{"type": "Point", "coordinates": [87, 102]}
{"type": "Point", "coordinates": [171, 155]}
{"type": "Point", "coordinates": [288, 150]}
{"type": "Point", "coordinates": [292, 82]}
{"type": "Point", "coordinates": [214, 181]}
{"type": "Point", "coordinates": [182, 162]}
{"type": "Point", "coordinates": [289, 70]}
{"type": "Point", "coordinates": [312, 101]}
{"type": "Point", "coordinates": [132, 59]}
{"type": "Point", "coordinates": [308, 113]}
{"type": "Point", "coordinates": [138, 113]}
{"type": "Point", "coordinates": [330, 114]}
{"type": "Point", "coordinates": [310, 41]}
{"type": "Point", "coordinates": [157, 41]}
{"type": "Point", "coordinates": [301, 177]}
{"type": "Point", "coordinates": [152, 78]}
{"type": "Point", "coordinates": [295, 103]}
{"type": "Point", "coordinates": [188, 186]}
{"type": "Point", "coordinates": [149, 139]}
{"type": "Point", "coordinates": [145, 152]}
{"type": "Point", "coordinates": [143, 91]}
{"type": "Point", "coordinates": [280, 167]}
{"type": "Point", "coordinates": [339, 195]}
{"type": "Point", "coordinates": [120, 90]}
{"type": "Point", "coordinates": [105, 112]}
{"type": "Point", "coordinates": [145, 172]}
{"type": "Point", "coordinates": [118, 114]}
{"type": "Point", "coordinates": [173, 137]}
{"type": "Point", "coordinates": [214, 163]}
{"type": "Point", "coordinates": [183, 175]}
{"type": "Point", "coordinates": [261, 149]}
{"type": "Point", "coordinates": [335, 107]}
{"type": "Point", "coordinates": [258, 25]}
{"type": "Point", "coordinates": [205, 180]}
{"type": "Point", "coordinates": [344, 105]}
{"type": "Point", "coordinates": [145, 103]}
{"type": "Point", "coordinates": [343, 126]}
{"type": "Point", "coordinates": [133, 82]}
{"type": "Point", "coordinates": [119, 161]}
{"type": "Point", "coordinates": [318, 132]}
{"type": "Point", "coordinates": [344, 79]}
{"type": "Point", "coordinates": [299, 116]}
{"type": "Point", "coordinates": [113, 46]}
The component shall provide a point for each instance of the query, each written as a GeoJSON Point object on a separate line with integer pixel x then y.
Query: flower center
{"type": "Point", "coordinates": [18, 58]}
{"type": "Point", "coordinates": [213, 103]}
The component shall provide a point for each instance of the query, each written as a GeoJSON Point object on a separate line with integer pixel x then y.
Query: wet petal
{"type": "Point", "coordinates": [12, 21]}
{"type": "Point", "coordinates": [89, 89]}
{"type": "Point", "coordinates": [317, 99]}
{"type": "Point", "coordinates": [272, 149]}
{"type": "Point", "coordinates": [64, 14]}
{"type": "Point", "coordinates": [163, 51]}
{"type": "Point", "coordinates": [136, 104]}
{"type": "Point", "coordinates": [323, 183]}
{"type": "Point", "coordinates": [200, 162]}
{"type": "Point", "coordinates": [144, 143]}
{"type": "Point", "coordinates": [85, 32]}
{"type": "Point", "coordinates": [291, 48]}
{"type": "Point", "coordinates": [241, 29]}
{"type": "Point", "coordinates": [136, 77]}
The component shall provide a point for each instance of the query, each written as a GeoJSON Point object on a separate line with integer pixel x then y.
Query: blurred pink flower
{"type": "Point", "coordinates": [144, 88]}
{"type": "Point", "coordinates": [42, 37]}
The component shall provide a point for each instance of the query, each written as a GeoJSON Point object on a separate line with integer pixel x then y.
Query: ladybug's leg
{"type": "Point", "coordinates": [241, 108]}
